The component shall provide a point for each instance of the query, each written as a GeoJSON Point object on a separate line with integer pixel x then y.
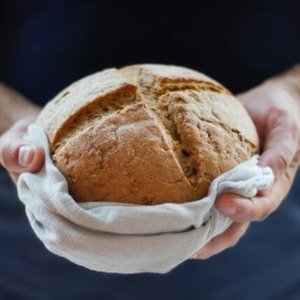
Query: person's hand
{"type": "Point", "coordinates": [276, 114]}
{"type": "Point", "coordinates": [18, 155]}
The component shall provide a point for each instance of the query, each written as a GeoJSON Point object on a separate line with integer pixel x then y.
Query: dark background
{"type": "Point", "coordinates": [45, 45]}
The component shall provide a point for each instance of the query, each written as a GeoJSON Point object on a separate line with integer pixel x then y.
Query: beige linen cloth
{"type": "Point", "coordinates": [124, 238]}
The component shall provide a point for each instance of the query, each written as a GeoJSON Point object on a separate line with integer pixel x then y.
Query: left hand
{"type": "Point", "coordinates": [18, 155]}
{"type": "Point", "coordinates": [276, 114]}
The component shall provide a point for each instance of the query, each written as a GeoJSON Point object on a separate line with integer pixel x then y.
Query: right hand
{"type": "Point", "coordinates": [18, 155]}
{"type": "Point", "coordinates": [275, 111]}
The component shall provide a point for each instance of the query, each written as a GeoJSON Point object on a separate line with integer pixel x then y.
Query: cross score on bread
{"type": "Point", "coordinates": [146, 134]}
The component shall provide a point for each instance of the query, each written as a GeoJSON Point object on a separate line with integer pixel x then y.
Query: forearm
{"type": "Point", "coordinates": [13, 107]}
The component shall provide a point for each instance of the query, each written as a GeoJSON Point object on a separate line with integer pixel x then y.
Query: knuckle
{"type": "Point", "coordinates": [276, 116]}
{"type": "Point", "coordinates": [242, 213]}
{"type": "Point", "coordinates": [241, 210]}
{"type": "Point", "coordinates": [283, 160]}
{"type": "Point", "coordinates": [252, 212]}
{"type": "Point", "coordinates": [245, 212]}
{"type": "Point", "coordinates": [280, 159]}
{"type": "Point", "coordinates": [292, 126]}
{"type": "Point", "coordinates": [267, 208]}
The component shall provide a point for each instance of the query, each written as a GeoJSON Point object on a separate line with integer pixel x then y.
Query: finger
{"type": "Point", "coordinates": [223, 241]}
{"type": "Point", "coordinates": [21, 156]}
{"type": "Point", "coordinates": [291, 173]}
{"type": "Point", "coordinates": [281, 144]}
{"type": "Point", "coordinates": [241, 209]}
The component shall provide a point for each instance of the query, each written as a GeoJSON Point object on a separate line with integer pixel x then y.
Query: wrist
{"type": "Point", "coordinates": [14, 107]}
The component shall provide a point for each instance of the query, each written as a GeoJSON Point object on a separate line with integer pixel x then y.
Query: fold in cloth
{"type": "Point", "coordinates": [125, 238]}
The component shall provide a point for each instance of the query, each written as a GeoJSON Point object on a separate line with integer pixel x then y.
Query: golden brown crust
{"type": "Point", "coordinates": [91, 96]}
{"type": "Point", "coordinates": [123, 157]}
{"type": "Point", "coordinates": [162, 78]}
{"type": "Point", "coordinates": [147, 134]}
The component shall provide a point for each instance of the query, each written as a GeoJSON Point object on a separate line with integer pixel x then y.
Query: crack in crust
{"type": "Point", "coordinates": [160, 97]}
{"type": "Point", "coordinates": [165, 119]}
{"type": "Point", "coordinates": [191, 170]}
{"type": "Point", "coordinates": [96, 109]}
{"type": "Point", "coordinates": [234, 131]}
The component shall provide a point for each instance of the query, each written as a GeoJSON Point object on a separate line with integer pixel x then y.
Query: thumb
{"type": "Point", "coordinates": [19, 156]}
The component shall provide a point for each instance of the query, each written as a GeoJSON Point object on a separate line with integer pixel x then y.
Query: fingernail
{"type": "Point", "coordinates": [229, 210]}
{"type": "Point", "coordinates": [26, 154]}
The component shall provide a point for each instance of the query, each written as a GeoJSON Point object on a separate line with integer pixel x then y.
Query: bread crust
{"type": "Point", "coordinates": [146, 134]}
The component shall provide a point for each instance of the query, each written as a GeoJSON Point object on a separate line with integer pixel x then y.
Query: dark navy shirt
{"type": "Point", "coordinates": [45, 45]}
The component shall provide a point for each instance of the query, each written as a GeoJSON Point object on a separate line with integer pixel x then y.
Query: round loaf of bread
{"type": "Point", "coordinates": [146, 134]}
